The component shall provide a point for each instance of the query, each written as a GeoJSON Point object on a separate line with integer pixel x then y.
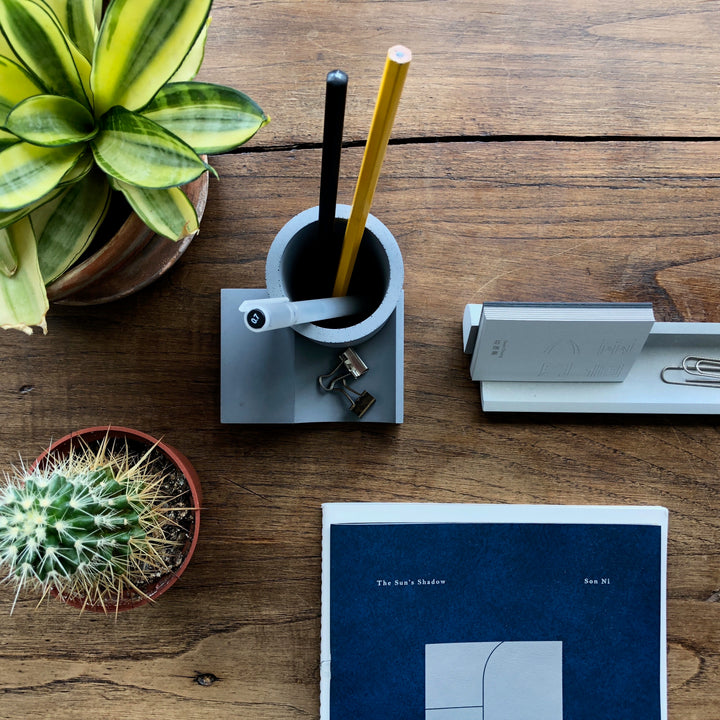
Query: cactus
{"type": "Point", "coordinates": [92, 524]}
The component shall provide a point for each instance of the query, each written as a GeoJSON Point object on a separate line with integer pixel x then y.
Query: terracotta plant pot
{"type": "Point", "coordinates": [81, 438]}
{"type": "Point", "coordinates": [130, 259]}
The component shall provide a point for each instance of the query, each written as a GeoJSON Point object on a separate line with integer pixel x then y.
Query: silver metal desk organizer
{"type": "Point", "coordinates": [677, 371]}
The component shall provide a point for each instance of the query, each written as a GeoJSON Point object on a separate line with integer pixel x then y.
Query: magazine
{"type": "Point", "coordinates": [493, 612]}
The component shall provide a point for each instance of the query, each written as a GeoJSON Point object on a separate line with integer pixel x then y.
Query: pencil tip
{"type": "Point", "coordinates": [399, 54]}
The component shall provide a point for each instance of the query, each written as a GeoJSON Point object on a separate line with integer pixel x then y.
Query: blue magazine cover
{"type": "Point", "coordinates": [478, 612]}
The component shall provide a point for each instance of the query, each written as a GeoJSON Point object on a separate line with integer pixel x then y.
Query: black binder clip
{"type": "Point", "coordinates": [350, 368]}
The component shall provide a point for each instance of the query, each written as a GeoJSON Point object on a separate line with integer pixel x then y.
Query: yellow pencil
{"type": "Point", "coordinates": [393, 79]}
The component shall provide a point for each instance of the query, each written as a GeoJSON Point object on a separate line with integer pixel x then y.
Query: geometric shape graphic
{"type": "Point", "coordinates": [493, 681]}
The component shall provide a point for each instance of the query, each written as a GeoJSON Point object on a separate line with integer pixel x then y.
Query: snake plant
{"type": "Point", "coordinates": [89, 525]}
{"type": "Point", "coordinates": [93, 102]}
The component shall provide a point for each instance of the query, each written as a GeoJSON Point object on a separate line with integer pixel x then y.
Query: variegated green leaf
{"type": "Point", "coordinates": [77, 172]}
{"type": "Point", "coordinates": [23, 300]}
{"type": "Point", "coordinates": [6, 51]}
{"type": "Point", "coordinates": [85, 163]}
{"type": "Point", "coordinates": [77, 19]}
{"type": "Point", "coordinates": [167, 212]}
{"type": "Point", "coordinates": [66, 226]}
{"type": "Point", "coordinates": [70, 15]}
{"type": "Point", "coordinates": [51, 121]}
{"type": "Point", "coordinates": [40, 216]}
{"type": "Point", "coordinates": [41, 44]}
{"type": "Point", "coordinates": [8, 256]}
{"type": "Point", "coordinates": [15, 86]}
{"type": "Point", "coordinates": [193, 60]}
{"type": "Point", "coordinates": [138, 151]}
{"type": "Point", "coordinates": [141, 45]}
{"type": "Point", "coordinates": [209, 118]}
{"type": "Point", "coordinates": [83, 67]}
{"type": "Point", "coordinates": [6, 139]}
{"type": "Point", "coordinates": [27, 172]}
{"type": "Point", "coordinates": [8, 218]}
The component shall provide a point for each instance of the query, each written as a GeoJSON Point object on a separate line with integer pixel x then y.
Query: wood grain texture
{"type": "Point", "coordinates": [238, 635]}
{"type": "Point", "coordinates": [480, 67]}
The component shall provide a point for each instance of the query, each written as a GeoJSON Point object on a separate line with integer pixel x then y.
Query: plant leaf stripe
{"type": "Point", "coordinates": [138, 151]}
{"type": "Point", "coordinates": [133, 61]}
{"type": "Point", "coordinates": [166, 211]}
{"type": "Point", "coordinates": [27, 172]}
{"type": "Point", "coordinates": [210, 118]}
{"type": "Point", "coordinates": [38, 40]}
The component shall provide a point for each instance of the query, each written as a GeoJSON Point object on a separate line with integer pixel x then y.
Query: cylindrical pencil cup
{"type": "Point", "coordinates": [302, 266]}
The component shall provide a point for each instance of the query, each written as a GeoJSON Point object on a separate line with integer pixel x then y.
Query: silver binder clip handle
{"type": "Point", "coordinates": [353, 362]}
{"type": "Point", "coordinates": [350, 365]}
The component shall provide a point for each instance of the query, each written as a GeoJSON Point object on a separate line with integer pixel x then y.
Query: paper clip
{"type": "Point", "coordinates": [350, 367]}
{"type": "Point", "coordinates": [702, 372]}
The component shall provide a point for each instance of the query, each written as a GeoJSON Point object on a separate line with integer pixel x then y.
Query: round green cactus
{"type": "Point", "coordinates": [89, 525]}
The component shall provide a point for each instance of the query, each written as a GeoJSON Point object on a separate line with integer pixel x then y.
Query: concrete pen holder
{"type": "Point", "coordinates": [275, 376]}
{"type": "Point", "coordinates": [300, 268]}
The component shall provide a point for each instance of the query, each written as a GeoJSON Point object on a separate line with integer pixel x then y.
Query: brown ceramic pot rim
{"type": "Point", "coordinates": [157, 588]}
{"type": "Point", "coordinates": [131, 259]}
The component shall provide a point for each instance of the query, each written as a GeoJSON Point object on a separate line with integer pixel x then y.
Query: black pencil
{"type": "Point", "coordinates": [335, 93]}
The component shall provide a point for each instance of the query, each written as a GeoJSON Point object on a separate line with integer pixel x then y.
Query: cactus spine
{"type": "Point", "coordinates": [90, 525]}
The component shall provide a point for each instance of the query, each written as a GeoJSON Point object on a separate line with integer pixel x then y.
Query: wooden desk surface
{"type": "Point", "coordinates": [492, 194]}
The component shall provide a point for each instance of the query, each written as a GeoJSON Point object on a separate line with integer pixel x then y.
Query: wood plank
{"type": "Point", "coordinates": [475, 221]}
{"type": "Point", "coordinates": [497, 67]}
